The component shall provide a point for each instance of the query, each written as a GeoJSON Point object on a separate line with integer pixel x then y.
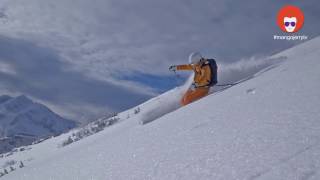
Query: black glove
{"type": "Point", "coordinates": [173, 68]}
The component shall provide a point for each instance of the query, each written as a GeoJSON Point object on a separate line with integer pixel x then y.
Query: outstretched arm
{"type": "Point", "coordinates": [181, 67]}
{"type": "Point", "coordinates": [185, 67]}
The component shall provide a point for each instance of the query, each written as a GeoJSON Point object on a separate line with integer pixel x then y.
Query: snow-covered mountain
{"type": "Point", "coordinates": [23, 121]}
{"type": "Point", "coordinates": [267, 127]}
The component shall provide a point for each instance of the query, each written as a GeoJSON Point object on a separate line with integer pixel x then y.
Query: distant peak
{"type": "Point", "coordinates": [4, 98]}
{"type": "Point", "coordinates": [22, 98]}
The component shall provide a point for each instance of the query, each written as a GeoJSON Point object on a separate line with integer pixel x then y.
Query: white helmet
{"type": "Point", "coordinates": [195, 58]}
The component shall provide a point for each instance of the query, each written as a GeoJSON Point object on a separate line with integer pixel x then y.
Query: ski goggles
{"type": "Point", "coordinates": [290, 23]}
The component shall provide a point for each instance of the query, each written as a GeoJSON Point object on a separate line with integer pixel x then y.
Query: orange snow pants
{"type": "Point", "coordinates": [193, 95]}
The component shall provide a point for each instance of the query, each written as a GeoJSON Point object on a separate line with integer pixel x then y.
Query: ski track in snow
{"type": "Point", "coordinates": [266, 127]}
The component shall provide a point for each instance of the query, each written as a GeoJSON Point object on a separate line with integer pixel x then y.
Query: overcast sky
{"type": "Point", "coordinates": [85, 58]}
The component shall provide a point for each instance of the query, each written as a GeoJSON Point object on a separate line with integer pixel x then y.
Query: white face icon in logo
{"type": "Point", "coordinates": [290, 23]}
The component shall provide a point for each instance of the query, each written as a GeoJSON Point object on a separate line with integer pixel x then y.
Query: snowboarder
{"type": "Point", "coordinates": [205, 76]}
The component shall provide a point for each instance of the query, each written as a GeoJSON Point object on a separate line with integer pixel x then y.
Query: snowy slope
{"type": "Point", "coordinates": [264, 128]}
{"type": "Point", "coordinates": [23, 121]}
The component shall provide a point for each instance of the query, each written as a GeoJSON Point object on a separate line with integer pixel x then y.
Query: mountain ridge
{"type": "Point", "coordinates": [21, 117]}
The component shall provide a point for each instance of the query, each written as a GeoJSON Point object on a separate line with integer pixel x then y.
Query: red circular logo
{"type": "Point", "coordinates": [290, 19]}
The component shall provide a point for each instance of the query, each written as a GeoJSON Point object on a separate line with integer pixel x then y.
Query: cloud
{"type": "Point", "coordinates": [104, 38]}
{"type": "Point", "coordinates": [41, 74]}
{"type": "Point", "coordinates": [6, 68]}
